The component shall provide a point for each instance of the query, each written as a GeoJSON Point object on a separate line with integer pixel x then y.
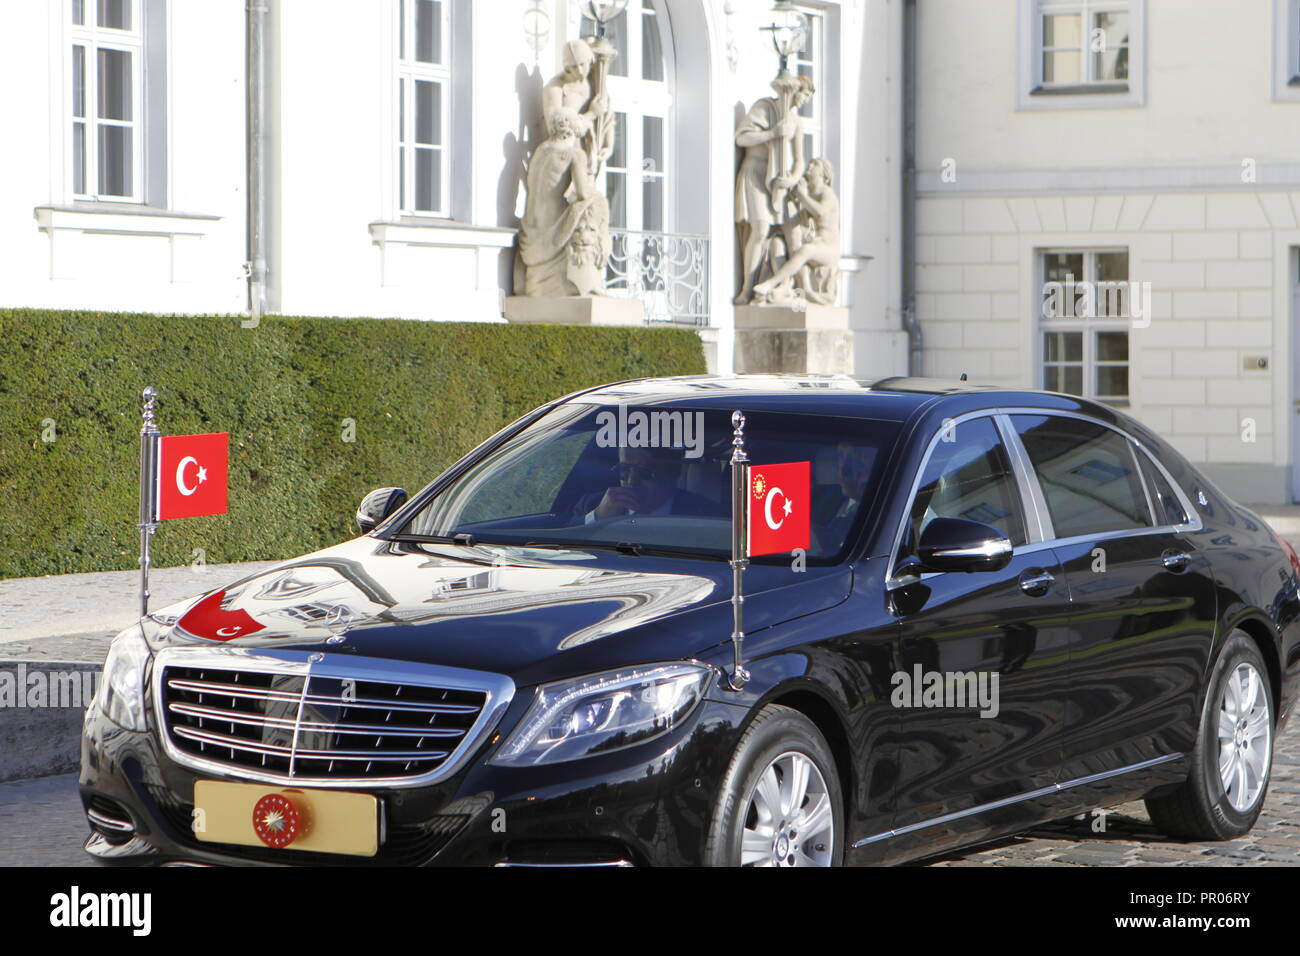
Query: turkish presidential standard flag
{"type": "Point", "coordinates": [192, 475]}
{"type": "Point", "coordinates": [780, 502]}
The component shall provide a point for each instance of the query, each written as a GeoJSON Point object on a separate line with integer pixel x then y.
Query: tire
{"type": "Point", "coordinates": [777, 749]}
{"type": "Point", "coordinates": [1204, 807]}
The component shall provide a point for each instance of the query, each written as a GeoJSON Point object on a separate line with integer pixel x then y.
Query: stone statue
{"type": "Point", "coordinates": [814, 262]}
{"type": "Point", "coordinates": [771, 136]}
{"type": "Point", "coordinates": [581, 87]}
{"type": "Point", "coordinates": [564, 240]}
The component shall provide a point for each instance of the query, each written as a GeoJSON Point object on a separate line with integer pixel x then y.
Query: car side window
{"type": "Point", "coordinates": [1169, 507]}
{"type": "Point", "coordinates": [1087, 473]}
{"type": "Point", "coordinates": [968, 476]}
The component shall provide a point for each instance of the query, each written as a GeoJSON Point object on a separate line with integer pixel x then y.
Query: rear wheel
{"type": "Point", "coordinates": [780, 803]}
{"type": "Point", "coordinates": [1224, 790]}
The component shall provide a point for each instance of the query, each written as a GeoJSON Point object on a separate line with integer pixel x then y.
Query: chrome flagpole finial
{"type": "Point", "coordinates": [150, 410]}
{"type": "Point", "coordinates": [738, 455]}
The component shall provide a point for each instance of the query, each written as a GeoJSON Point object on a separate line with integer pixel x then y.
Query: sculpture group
{"type": "Point", "coordinates": [564, 240]}
{"type": "Point", "coordinates": [787, 212]}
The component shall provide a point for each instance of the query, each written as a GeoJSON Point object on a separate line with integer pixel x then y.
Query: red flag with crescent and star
{"type": "Point", "coordinates": [780, 502]}
{"type": "Point", "coordinates": [208, 619]}
{"type": "Point", "coordinates": [192, 475]}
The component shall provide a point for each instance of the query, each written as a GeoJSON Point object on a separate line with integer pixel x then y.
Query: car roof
{"type": "Point", "coordinates": [892, 399]}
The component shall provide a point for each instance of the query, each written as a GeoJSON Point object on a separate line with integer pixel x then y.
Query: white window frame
{"type": "Point", "coordinates": [638, 98]}
{"type": "Point", "coordinates": [1033, 93]}
{"type": "Point", "coordinates": [1286, 50]}
{"type": "Point", "coordinates": [93, 38]}
{"type": "Point", "coordinates": [407, 72]}
{"type": "Point", "coordinates": [1088, 326]}
{"type": "Point", "coordinates": [814, 125]}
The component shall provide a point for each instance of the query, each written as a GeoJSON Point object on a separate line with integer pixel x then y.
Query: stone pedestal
{"type": "Point", "coordinates": [575, 310]}
{"type": "Point", "coordinates": [815, 338]}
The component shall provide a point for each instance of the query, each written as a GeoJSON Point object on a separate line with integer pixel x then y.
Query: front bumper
{"type": "Point", "coordinates": [646, 805]}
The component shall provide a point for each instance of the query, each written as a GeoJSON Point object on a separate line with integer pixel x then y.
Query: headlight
{"type": "Point", "coordinates": [604, 712]}
{"type": "Point", "coordinates": [121, 687]}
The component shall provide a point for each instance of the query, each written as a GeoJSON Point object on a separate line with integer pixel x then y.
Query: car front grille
{"type": "Point", "coordinates": [313, 721]}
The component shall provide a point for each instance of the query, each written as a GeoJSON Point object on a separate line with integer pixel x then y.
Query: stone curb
{"type": "Point", "coordinates": [42, 704]}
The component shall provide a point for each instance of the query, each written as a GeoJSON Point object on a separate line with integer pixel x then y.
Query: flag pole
{"type": "Point", "coordinates": [739, 677]}
{"type": "Point", "coordinates": [149, 436]}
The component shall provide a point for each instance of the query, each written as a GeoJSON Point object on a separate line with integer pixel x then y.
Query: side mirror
{"type": "Point", "coordinates": [377, 506]}
{"type": "Point", "coordinates": [955, 544]}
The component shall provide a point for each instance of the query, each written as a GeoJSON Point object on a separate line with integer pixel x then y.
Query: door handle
{"type": "Point", "coordinates": [1175, 561]}
{"type": "Point", "coordinates": [1036, 582]}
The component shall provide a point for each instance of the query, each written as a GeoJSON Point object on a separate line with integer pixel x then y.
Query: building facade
{"type": "Point", "coordinates": [1108, 203]}
{"type": "Point", "coordinates": [393, 156]}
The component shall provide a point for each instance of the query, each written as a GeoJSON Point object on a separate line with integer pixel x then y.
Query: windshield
{"type": "Point", "coordinates": [654, 478]}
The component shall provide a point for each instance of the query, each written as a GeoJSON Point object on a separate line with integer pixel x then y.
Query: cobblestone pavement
{"type": "Point", "coordinates": [42, 824]}
{"type": "Point", "coordinates": [1130, 840]}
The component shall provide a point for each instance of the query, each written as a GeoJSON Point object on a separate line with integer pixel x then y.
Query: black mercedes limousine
{"type": "Point", "coordinates": [1007, 607]}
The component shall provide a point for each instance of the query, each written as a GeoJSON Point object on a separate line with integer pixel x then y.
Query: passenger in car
{"type": "Point", "coordinates": [647, 484]}
{"type": "Point", "coordinates": [836, 505]}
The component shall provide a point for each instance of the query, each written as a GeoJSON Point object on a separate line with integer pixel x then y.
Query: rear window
{"type": "Point", "coordinates": [1088, 474]}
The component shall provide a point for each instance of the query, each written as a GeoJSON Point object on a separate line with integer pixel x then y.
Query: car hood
{"type": "Point", "coordinates": [531, 614]}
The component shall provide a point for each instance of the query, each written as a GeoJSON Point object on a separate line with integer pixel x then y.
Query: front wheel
{"type": "Point", "coordinates": [1224, 791]}
{"type": "Point", "coordinates": [780, 803]}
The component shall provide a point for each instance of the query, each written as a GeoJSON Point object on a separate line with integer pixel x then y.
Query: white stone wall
{"type": "Point", "coordinates": [1164, 179]}
{"type": "Point", "coordinates": [338, 243]}
{"type": "Point", "coordinates": [160, 264]}
{"type": "Point", "coordinates": [1217, 264]}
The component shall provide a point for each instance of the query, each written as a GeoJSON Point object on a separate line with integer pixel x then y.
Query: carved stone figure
{"type": "Point", "coordinates": [564, 239]}
{"type": "Point", "coordinates": [581, 87]}
{"type": "Point", "coordinates": [771, 136]}
{"type": "Point", "coordinates": [814, 262]}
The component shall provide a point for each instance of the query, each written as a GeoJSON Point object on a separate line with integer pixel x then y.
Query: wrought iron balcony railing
{"type": "Point", "coordinates": [668, 272]}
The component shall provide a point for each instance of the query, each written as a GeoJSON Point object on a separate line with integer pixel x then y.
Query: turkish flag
{"type": "Point", "coordinates": [780, 503]}
{"type": "Point", "coordinates": [192, 475]}
{"type": "Point", "coordinates": [207, 619]}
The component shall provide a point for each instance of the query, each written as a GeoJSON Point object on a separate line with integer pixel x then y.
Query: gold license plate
{"type": "Point", "coordinates": [318, 821]}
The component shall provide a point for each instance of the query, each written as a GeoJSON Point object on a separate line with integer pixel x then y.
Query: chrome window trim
{"type": "Point", "coordinates": [892, 583]}
{"type": "Point", "coordinates": [1027, 479]}
{"type": "Point", "coordinates": [1195, 524]}
{"type": "Point", "coordinates": [1035, 503]}
{"type": "Point", "coordinates": [498, 689]}
{"type": "Point", "coordinates": [1018, 798]}
{"type": "Point", "coordinates": [1152, 516]}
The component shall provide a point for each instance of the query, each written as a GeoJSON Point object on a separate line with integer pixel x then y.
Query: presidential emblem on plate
{"type": "Point", "coordinates": [277, 820]}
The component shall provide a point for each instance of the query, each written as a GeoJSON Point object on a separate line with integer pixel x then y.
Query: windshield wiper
{"type": "Point", "coordinates": [461, 538]}
{"type": "Point", "coordinates": [631, 549]}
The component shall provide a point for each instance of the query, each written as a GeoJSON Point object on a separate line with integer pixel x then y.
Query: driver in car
{"type": "Point", "coordinates": [647, 485]}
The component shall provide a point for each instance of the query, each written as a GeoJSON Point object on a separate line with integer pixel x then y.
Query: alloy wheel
{"type": "Point", "coordinates": [1245, 737]}
{"type": "Point", "coordinates": [788, 816]}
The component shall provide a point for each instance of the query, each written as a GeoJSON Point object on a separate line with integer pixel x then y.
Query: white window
{"type": "Point", "coordinates": [423, 106]}
{"type": "Point", "coordinates": [1286, 49]}
{"type": "Point", "coordinates": [810, 62]}
{"type": "Point", "coordinates": [1084, 323]}
{"type": "Point", "coordinates": [1081, 52]}
{"type": "Point", "coordinates": [105, 100]}
{"type": "Point", "coordinates": [636, 175]}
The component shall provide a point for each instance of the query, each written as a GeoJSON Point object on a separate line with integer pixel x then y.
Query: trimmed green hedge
{"type": "Point", "coordinates": [421, 394]}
